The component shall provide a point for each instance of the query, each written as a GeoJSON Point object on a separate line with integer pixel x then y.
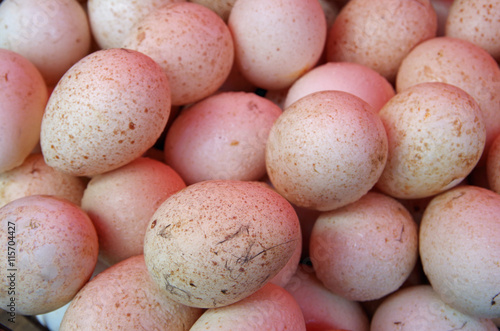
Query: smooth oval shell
{"type": "Point", "coordinates": [460, 249]}
{"type": "Point", "coordinates": [55, 245]}
{"type": "Point", "coordinates": [326, 150]}
{"type": "Point", "coordinates": [124, 296]}
{"type": "Point", "coordinates": [436, 135]}
{"type": "Point", "coordinates": [217, 242]}
{"type": "Point", "coordinates": [22, 104]}
{"type": "Point", "coordinates": [105, 112]}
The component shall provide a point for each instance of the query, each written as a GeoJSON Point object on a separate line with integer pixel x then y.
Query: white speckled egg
{"type": "Point", "coordinates": [22, 103]}
{"type": "Point", "coordinates": [112, 20]}
{"type": "Point", "coordinates": [460, 63]}
{"type": "Point", "coordinates": [436, 137]}
{"type": "Point", "coordinates": [326, 150]}
{"type": "Point", "coordinates": [420, 308]}
{"type": "Point", "coordinates": [52, 34]}
{"type": "Point", "coordinates": [106, 111]}
{"type": "Point", "coordinates": [216, 242]}
{"type": "Point", "coordinates": [277, 41]}
{"type": "Point", "coordinates": [50, 248]}
{"type": "Point", "coordinates": [125, 297]}
{"type": "Point", "coordinates": [191, 43]}
{"type": "Point", "coordinates": [380, 33]}
{"type": "Point", "coordinates": [270, 308]}
{"type": "Point", "coordinates": [35, 177]}
{"type": "Point", "coordinates": [460, 249]}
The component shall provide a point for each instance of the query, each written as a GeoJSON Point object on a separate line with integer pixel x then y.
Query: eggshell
{"type": "Point", "coordinates": [52, 34]}
{"type": "Point", "coordinates": [322, 309]}
{"type": "Point", "coordinates": [420, 308]}
{"type": "Point", "coordinates": [121, 202]}
{"type": "Point", "coordinates": [380, 33]}
{"type": "Point", "coordinates": [286, 273]}
{"type": "Point", "coordinates": [477, 22]}
{"type": "Point", "coordinates": [55, 251]}
{"type": "Point", "coordinates": [125, 297]}
{"type": "Point", "coordinates": [277, 41]}
{"type": "Point", "coordinates": [493, 166]}
{"type": "Point", "coordinates": [106, 111]}
{"type": "Point", "coordinates": [460, 249]}
{"type": "Point", "coordinates": [354, 78]}
{"type": "Point", "coordinates": [326, 150]}
{"type": "Point", "coordinates": [35, 177]}
{"type": "Point", "coordinates": [365, 250]}
{"type": "Point", "coordinates": [436, 137]}
{"type": "Point", "coordinates": [221, 137]}
{"type": "Point", "coordinates": [270, 308]}
{"type": "Point", "coordinates": [22, 103]}
{"type": "Point", "coordinates": [221, 7]}
{"type": "Point", "coordinates": [112, 20]}
{"type": "Point", "coordinates": [217, 242]}
{"type": "Point", "coordinates": [191, 43]}
{"type": "Point", "coordinates": [460, 63]}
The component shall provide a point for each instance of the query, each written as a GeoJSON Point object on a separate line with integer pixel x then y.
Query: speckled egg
{"type": "Point", "coordinates": [420, 308]}
{"type": "Point", "coordinates": [277, 41]}
{"type": "Point", "coordinates": [106, 111]}
{"type": "Point", "coordinates": [460, 249]}
{"type": "Point", "coordinates": [221, 7]}
{"type": "Point", "coordinates": [326, 150]}
{"type": "Point", "coordinates": [125, 297]}
{"type": "Point", "coordinates": [22, 103]}
{"type": "Point", "coordinates": [354, 78]}
{"type": "Point", "coordinates": [436, 137]}
{"type": "Point", "coordinates": [35, 177]}
{"type": "Point", "coordinates": [121, 202]}
{"type": "Point", "coordinates": [217, 242]}
{"type": "Point", "coordinates": [221, 137]}
{"type": "Point", "coordinates": [477, 22]}
{"type": "Point", "coordinates": [365, 250]}
{"type": "Point", "coordinates": [52, 34]}
{"type": "Point", "coordinates": [112, 20]}
{"type": "Point", "coordinates": [270, 308]}
{"type": "Point", "coordinates": [460, 63]}
{"type": "Point", "coordinates": [191, 43]}
{"type": "Point", "coordinates": [50, 248]}
{"type": "Point", "coordinates": [380, 33]}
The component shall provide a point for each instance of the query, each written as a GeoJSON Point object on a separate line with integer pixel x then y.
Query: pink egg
{"type": "Point", "coordinates": [22, 103]}
{"type": "Point", "coordinates": [354, 78]}
{"type": "Point", "coordinates": [277, 41]}
{"type": "Point", "coordinates": [191, 43]}
{"type": "Point", "coordinates": [221, 137]}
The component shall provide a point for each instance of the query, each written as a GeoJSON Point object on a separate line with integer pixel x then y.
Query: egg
{"type": "Point", "coordinates": [380, 33]}
{"type": "Point", "coordinates": [436, 136]}
{"type": "Point", "coordinates": [124, 296]}
{"type": "Point", "coordinates": [326, 150]}
{"type": "Point", "coordinates": [365, 250]}
{"type": "Point", "coordinates": [270, 308]}
{"type": "Point", "coordinates": [277, 41]}
{"type": "Point", "coordinates": [493, 166]}
{"type": "Point", "coordinates": [22, 103]}
{"type": "Point", "coordinates": [322, 309]}
{"type": "Point", "coordinates": [121, 202]}
{"type": "Point", "coordinates": [111, 21]}
{"type": "Point", "coordinates": [217, 242]}
{"type": "Point", "coordinates": [35, 177]}
{"type": "Point", "coordinates": [221, 7]}
{"type": "Point", "coordinates": [460, 249]}
{"type": "Point", "coordinates": [477, 22]}
{"type": "Point", "coordinates": [50, 248]}
{"type": "Point", "coordinates": [52, 34]}
{"type": "Point", "coordinates": [191, 43]}
{"type": "Point", "coordinates": [460, 63]}
{"type": "Point", "coordinates": [420, 308]}
{"type": "Point", "coordinates": [221, 137]}
{"type": "Point", "coordinates": [354, 78]}
{"type": "Point", "coordinates": [106, 111]}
